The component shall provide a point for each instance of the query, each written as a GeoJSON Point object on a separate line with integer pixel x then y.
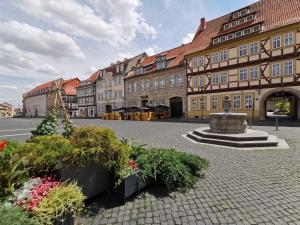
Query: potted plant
{"type": "Point", "coordinates": [49, 200]}
{"type": "Point", "coordinates": [128, 182]}
{"type": "Point", "coordinates": [88, 151]}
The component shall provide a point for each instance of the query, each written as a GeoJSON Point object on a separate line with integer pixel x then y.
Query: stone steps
{"type": "Point", "coordinates": [235, 140]}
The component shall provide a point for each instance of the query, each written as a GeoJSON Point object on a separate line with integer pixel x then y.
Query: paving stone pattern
{"type": "Point", "coordinates": [240, 187]}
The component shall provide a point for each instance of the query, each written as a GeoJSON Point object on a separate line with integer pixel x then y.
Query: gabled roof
{"type": "Point", "coordinates": [176, 55]}
{"type": "Point", "coordinates": [94, 76]}
{"type": "Point", "coordinates": [69, 86]}
{"type": "Point", "coordinates": [271, 13]}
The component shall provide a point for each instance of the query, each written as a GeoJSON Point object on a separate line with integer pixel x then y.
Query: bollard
{"type": "Point", "coordinates": [276, 123]}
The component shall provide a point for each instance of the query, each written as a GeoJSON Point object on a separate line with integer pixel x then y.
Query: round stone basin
{"type": "Point", "coordinates": [228, 123]}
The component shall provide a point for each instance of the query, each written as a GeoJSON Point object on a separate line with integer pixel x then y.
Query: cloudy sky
{"type": "Point", "coordinates": [41, 40]}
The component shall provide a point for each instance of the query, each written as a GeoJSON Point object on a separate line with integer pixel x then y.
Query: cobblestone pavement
{"type": "Point", "coordinates": [240, 187]}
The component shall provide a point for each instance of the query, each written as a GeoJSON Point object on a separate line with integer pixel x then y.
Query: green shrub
{"type": "Point", "coordinates": [12, 171]}
{"type": "Point", "coordinates": [48, 126]}
{"type": "Point", "coordinates": [100, 144]}
{"type": "Point", "coordinates": [13, 215]}
{"type": "Point", "coordinates": [60, 201]}
{"type": "Point", "coordinates": [177, 170]}
{"type": "Point", "coordinates": [43, 153]}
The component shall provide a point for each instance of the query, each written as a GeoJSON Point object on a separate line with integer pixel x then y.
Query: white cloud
{"type": "Point", "coordinates": [15, 59]}
{"type": "Point", "coordinates": [152, 50]}
{"type": "Point", "coordinates": [36, 40]}
{"type": "Point", "coordinates": [11, 87]}
{"type": "Point", "coordinates": [188, 38]}
{"type": "Point", "coordinates": [114, 21]}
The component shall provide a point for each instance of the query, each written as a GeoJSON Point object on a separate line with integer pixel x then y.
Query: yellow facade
{"type": "Point", "coordinates": [268, 61]}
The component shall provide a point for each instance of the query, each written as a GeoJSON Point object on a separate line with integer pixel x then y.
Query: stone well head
{"type": "Point", "coordinates": [228, 122]}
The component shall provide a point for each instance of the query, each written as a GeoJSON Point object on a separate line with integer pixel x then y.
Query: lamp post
{"type": "Point", "coordinates": [202, 101]}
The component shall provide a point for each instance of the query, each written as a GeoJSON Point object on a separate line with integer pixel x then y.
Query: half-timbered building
{"type": "Point", "coordinates": [252, 55]}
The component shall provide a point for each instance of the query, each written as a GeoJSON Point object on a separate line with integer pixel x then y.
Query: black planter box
{"type": "Point", "coordinates": [92, 178]}
{"type": "Point", "coordinates": [68, 219]}
{"type": "Point", "coordinates": [129, 186]}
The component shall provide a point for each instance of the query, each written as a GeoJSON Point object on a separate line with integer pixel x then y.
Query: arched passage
{"type": "Point", "coordinates": [290, 95]}
{"type": "Point", "coordinates": [176, 107]}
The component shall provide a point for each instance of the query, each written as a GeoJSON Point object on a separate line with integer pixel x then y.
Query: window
{"type": "Point", "coordinates": [230, 36]}
{"type": "Point", "coordinates": [236, 101]}
{"type": "Point", "coordinates": [215, 78]}
{"type": "Point", "coordinates": [238, 33]}
{"type": "Point", "coordinates": [172, 81]}
{"type": "Point", "coordinates": [197, 62]}
{"type": "Point", "coordinates": [223, 38]}
{"type": "Point", "coordinates": [202, 103]}
{"type": "Point", "coordinates": [161, 82]}
{"type": "Point", "coordinates": [248, 102]}
{"type": "Point", "coordinates": [253, 48]}
{"type": "Point", "coordinates": [247, 31]}
{"type": "Point", "coordinates": [139, 70]}
{"type": "Point", "coordinates": [223, 99]}
{"type": "Point", "coordinates": [155, 83]}
{"type": "Point", "coordinates": [243, 74]}
{"type": "Point", "coordinates": [288, 68]}
{"type": "Point", "coordinates": [223, 55]}
{"type": "Point", "coordinates": [243, 50]}
{"type": "Point", "coordinates": [226, 26]}
{"type": "Point", "coordinates": [253, 72]}
{"type": "Point", "coordinates": [147, 84]}
{"type": "Point", "coordinates": [161, 63]}
{"type": "Point", "coordinates": [195, 82]}
{"type": "Point", "coordinates": [276, 70]}
{"type": "Point", "coordinates": [214, 103]}
{"type": "Point", "coordinates": [142, 85]}
{"type": "Point", "coordinates": [256, 28]}
{"type": "Point", "coordinates": [129, 87]}
{"type": "Point", "coordinates": [201, 82]}
{"type": "Point", "coordinates": [215, 57]}
{"type": "Point", "coordinates": [179, 80]}
{"type": "Point", "coordinates": [224, 77]}
{"type": "Point", "coordinates": [288, 39]}
{"type": "Point", "coordinates": [194, 104]}
{"type": "Point", "coordinates": [134, 87]}
{"type": "Point", "coordinates": [276, 43]}
{"type": "Point", "coordinates": [215, 41]}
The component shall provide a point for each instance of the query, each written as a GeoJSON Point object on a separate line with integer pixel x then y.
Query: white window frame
{"type": "Point", "coordinates": [289, 39]}
{"type": "Point", "coordinates": [254, 48]}
{"type": "Point", "coordinates": [243, 74]}
{"type": "Point", "coordinates": [194, 104]}
{"type": "Point", "coordinates": [276, 42]}
{"type": "Point", "coordinates": [224, 55]}
{"type": "Point", "coordinates": [276, 70]}
{"type": "Point", "coordinates": [237, 102]}
{"type": "Point", "coordinates": [253, 71]}
{"type": "Point", "coordinates": [195, 82]}
{"type": "Point", "coordinates": [215, 78]}
{"type": "Point", "coordinates": [288, 67]}
{"type": "Point", "coordinates": [223, 77]}
{"type": "Point", "coordinates": [162, 82]}
{"type": "Point", "coordinates": [172, 81]}
{"type": "Point", "coordinates": [215, 57]}
{"type": "Point", "coordinates": [244, 50]}
{"type": "Point", "coordinates": [248, 101]}
{"type": "Point", "coordinates": [214, 102]}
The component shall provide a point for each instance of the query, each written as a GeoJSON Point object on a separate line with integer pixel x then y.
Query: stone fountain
{"type": "Point", "coordinates": [230, 129]}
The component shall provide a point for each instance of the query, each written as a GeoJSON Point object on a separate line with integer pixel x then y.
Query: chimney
{"type": "Point", "coordinates": [202, 24]}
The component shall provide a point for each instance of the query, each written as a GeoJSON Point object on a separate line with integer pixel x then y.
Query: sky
{"type": "Point", "coordinates": [45, 40]}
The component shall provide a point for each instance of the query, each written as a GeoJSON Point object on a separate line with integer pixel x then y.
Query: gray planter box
{"type": "Point", "coordinates": [92, 178]}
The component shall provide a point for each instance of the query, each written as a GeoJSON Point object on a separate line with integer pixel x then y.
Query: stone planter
{"type": "Point", "coordinates": [92, 178]}
{"type": "Point", "coordinates": [68, 219]}
{"type": "Point", "coordinates": [129, 186]}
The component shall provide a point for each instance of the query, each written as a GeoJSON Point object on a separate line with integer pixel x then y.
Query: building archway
{"type": "Point", "coordinates": [108, 109]}
{"type": "Point", "coordinates": [290, 95]}
{"type": "Point", "coordinates": [176, 107]}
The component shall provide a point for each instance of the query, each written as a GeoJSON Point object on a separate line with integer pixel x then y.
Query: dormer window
{"type": "Point", "coordinates": [161, 63]}
{"type": "Point", "coordinates": [240, 13]}
{"type": "Point", "coordinates": [139, 70]}
{"type": "Point", "coordinates": [240, 21]}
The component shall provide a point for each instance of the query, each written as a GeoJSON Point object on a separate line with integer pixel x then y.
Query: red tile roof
{"type": "Point", "coordinates": [177, 54]}
{"type": "Point", "coordinates": [94, 76]}
{"type": "Point", "coordinates": [271, 13]}
{"type": "Point", "coordinates": [69, 86]}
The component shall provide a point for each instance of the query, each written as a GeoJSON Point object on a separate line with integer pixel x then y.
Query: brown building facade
{"type": "Point", "coordinates": [159, 80]}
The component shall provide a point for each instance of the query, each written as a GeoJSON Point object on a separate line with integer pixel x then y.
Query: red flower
{"type": "Point", "coordinates": [3, 144]}
{"type": "Point", "coordinates": [132, 164]}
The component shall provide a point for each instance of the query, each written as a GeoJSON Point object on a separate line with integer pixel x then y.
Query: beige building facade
{"type": "Point", "coordinates": [248, 56]}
